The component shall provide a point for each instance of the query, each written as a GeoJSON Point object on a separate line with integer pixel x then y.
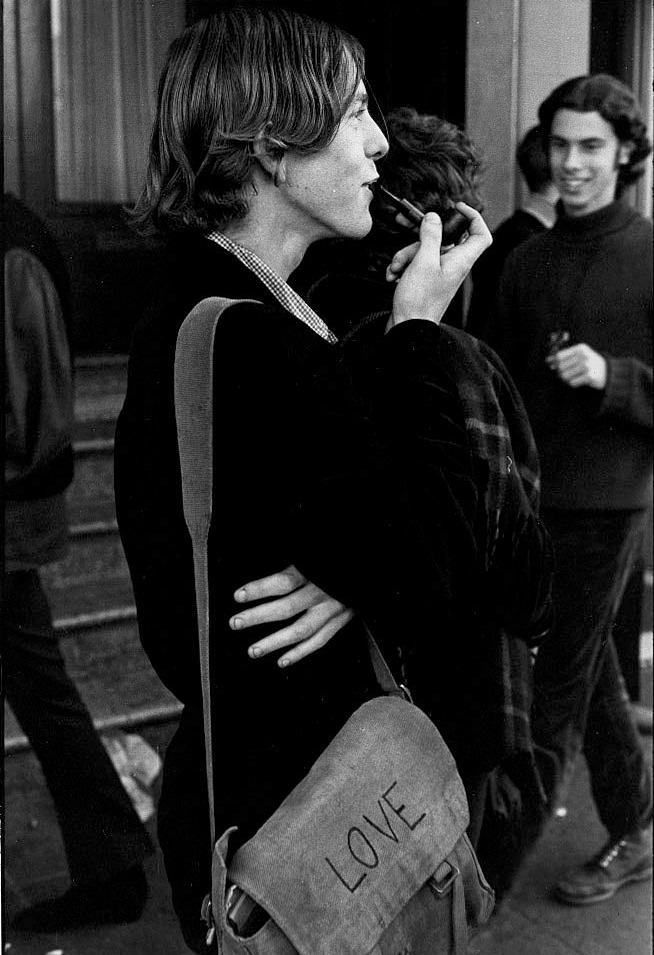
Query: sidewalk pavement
{"type": "Point", "coordinates": [529, 921]}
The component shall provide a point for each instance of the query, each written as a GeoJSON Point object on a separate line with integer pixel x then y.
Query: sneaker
{"type": "Point", "coordinates": [121, 899]}
{"type": "Point", "coordinates": [621, 861]}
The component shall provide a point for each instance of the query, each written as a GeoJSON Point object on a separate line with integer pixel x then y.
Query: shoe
{"type": "Point", "coordinates": [121, 899]}
{"type": "Point", "coordinates": [621, 861]}
{"type": "Point", "coordinates": [642, 716]}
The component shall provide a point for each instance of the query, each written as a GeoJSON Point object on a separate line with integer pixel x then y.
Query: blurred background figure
{"type": "Point", "coordinates": [104, 839]}
{"type": "Point", "coordinates": [626, 634]}
{"type": "Point", "coordinates": [536, 214]}
{"type": "Point", "coordinates": [430, 162]}
{"type": "Point", "coordinates": [573, 322]}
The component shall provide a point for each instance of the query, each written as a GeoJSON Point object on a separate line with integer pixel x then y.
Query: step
{"type": "Point", "coordinates": [84, 601]}
{"type": "Point", "coordinates": [115, 679]}
{"type": "Point", "coordinates": [95, 554]}
{"type": "Point", "coordinates": [100, 385]}
{"type": "Point", "coordinates": [91, 494]}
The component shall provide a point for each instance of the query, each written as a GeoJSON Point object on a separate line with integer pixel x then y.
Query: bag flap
{"type": "Point", "coordinates": [365, 829]}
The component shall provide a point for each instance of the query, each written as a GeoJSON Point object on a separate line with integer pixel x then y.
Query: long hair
{"type": "Point", "coordinates": [240, 74]}
{"type": "Point", "coordinates": [615, 103]}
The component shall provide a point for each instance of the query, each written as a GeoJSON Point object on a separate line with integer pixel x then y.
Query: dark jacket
{"type": "Point", "coordinates": [38, 391]}
{"type": "Point", "coordinates": [515, 230]}
{"type": "Point", "coordinates": [592, 277]}
{"type": "Point", "coordinates": [305, 474]}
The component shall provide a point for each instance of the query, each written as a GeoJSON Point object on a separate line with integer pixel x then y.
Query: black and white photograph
{"type": "Point", "coordinates": [327, 561]}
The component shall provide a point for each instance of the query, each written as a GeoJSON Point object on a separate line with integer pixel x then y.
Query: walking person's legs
{"type": "Point", "coordinates": [592, 551]}
{"type": "Point", "coordinates": [104, 840]}
{"type": "Point", "coordinates": [581, 702]}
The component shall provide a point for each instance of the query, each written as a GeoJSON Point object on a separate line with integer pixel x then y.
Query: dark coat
{"type": "Point", "coordinates": [515, 230]}
{"type": "Point", "coordinates": [305, 474]}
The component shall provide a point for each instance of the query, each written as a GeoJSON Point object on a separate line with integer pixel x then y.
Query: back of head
{"type": "Point", "coordinates": [615, 103]}
{"type": "Point", "coordinates": [533, 161]}
{"type": "Point", "coordinates": [230, 79]}
{"type": "Point", "coordinates": [430, 161]}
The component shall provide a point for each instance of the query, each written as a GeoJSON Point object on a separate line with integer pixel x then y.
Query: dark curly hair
{"type": "Point", "coordinates": [430, 162]}
{"type": "Point", "coordinates": [615, 103]}
{"type": "Point", "coordinates": [235, 76]}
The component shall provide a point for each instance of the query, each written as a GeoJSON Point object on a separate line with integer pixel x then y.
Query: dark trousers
{"type": "Point", "coordinates": [102, 833]}
{"type": "Point", "coordinates": [580, 701]}
{"type": "Point", "coordinates": [627, 628]}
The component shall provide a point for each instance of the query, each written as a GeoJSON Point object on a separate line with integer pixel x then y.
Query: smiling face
{"type": "Point", "coordinates": [327, 193]}
{"type": "Point", "coordinates": [585, 155]}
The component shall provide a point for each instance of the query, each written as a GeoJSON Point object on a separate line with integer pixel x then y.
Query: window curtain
{"type": "Point", "coordinates": [107, 56]}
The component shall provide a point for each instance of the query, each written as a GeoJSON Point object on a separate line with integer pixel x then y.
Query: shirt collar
{"type": "Point", "coordinates": [287, 297]}
{"type": "Point", "coordinates": [538, 207]}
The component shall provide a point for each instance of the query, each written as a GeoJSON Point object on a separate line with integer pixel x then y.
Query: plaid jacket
{"type": "Point", "coordinates": [516, 556]}
{"type": "Point", "coordinates": [501, 437]}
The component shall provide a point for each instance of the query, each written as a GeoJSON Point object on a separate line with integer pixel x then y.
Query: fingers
{"type": "Point", "coordinates": [320, 639]}
{"type": "Point", "coordinates": [272, 611]}
{"type": "Point", "coordinates": [310, 633]}
{"type": "Point", "coordinates": [579, 365]}
{"type": "Point", "coordinates": [427, 249]}
{"type": "Point", "coordinates": [318, 616]}
{"type": "Point", "coordinates": [400, 261]}
{"type": "Point", "coordinates": [275, 585]}
{"type": "Point", "coordinates": [477, 239]}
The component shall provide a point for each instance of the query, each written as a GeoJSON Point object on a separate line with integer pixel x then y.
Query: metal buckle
{"type": "Point", "coordinates": [406, 692]}
{"type": "Point", "coordinates": [440, 888]}
{"type": "Point", "coordinates": [207, 915]}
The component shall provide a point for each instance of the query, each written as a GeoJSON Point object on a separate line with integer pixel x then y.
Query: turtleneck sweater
{"type": "Point", "coordinates": [592, 277]}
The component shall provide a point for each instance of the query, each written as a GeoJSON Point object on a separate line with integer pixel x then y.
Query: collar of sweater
{"type": "Point", "coordinates": [605, 220]}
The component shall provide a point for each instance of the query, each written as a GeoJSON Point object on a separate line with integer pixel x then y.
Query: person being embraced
{"type": "Point", "coordinates": [262, 145]}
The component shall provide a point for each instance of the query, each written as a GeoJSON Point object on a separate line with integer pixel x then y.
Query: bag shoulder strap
{"type": "Point", "coordinates": [194, 415]}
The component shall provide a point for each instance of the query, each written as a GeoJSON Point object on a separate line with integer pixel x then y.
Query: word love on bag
{"type": "Point", "coordinates": [395, 822]}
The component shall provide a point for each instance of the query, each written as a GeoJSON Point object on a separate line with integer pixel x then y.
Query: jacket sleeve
{"type": "Point", "coordinates": [628, 392]}
{"type": "Point", "coordinates": [38, 378]}
{"type": "Point", "coordinates": [519, 578]}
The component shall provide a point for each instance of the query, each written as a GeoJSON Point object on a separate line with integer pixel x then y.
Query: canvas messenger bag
{"type": "Point", "coordinates": [368, 855]}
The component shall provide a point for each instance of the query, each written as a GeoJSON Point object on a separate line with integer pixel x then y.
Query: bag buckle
{"type": "Point", "coordinates": [441, 887]}
{"type": "Point", "coordinates": [207, 915]}
{"type": "Point", "coordinates": [406, 692]}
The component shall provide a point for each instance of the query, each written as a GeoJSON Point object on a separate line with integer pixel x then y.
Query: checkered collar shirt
{"type": "Point", "coordinates": [285, 295]}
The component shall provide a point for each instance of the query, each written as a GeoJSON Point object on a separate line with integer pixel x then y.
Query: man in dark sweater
{"type": "Point", "coordinates": [532, 218]}
{"type": "Point", "coordinates": [573, 322]}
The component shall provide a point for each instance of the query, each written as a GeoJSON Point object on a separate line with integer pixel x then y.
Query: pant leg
{"type": "Point", "coordinates": [627, 627]}
{"type": "Point", "coordinates": [613, 751]}
{"type": "Point", "coordinates": [592, 554]}
{"type": "Point", "coordinates": [102, 833]}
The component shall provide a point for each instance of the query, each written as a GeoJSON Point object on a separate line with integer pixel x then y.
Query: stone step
{"type": "Point", "coordinates": [100, 384]}
{"type": "Point", "coordinates": [95, 554]}
{"type": "Point", "coordinates": [115, 679]}
{"type": "Point", "coordinates": [107, 597]}
{"type": "Point", "coordinates": [91, 494]}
